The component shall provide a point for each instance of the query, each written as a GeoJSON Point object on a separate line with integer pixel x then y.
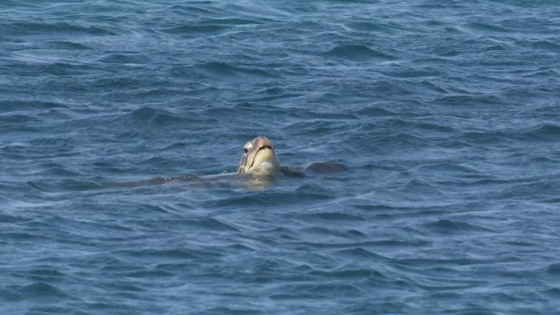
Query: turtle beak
{"type": "Point", "coordinates": [260, 150]}
{"type": "Point", "coordinates": [264, 159]}
{"type": "Point", "coordinates": [261, 144]}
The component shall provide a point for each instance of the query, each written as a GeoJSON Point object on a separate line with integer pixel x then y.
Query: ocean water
{"type": "Point", "coordinates": [446, 113]}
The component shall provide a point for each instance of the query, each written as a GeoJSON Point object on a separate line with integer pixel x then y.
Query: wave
{"type": "Point", "coordinates": [34, 28]}
{"type": "Point", "coordinates": [357, 53]}
{"type": "Point", "coordinates": [222, 69]}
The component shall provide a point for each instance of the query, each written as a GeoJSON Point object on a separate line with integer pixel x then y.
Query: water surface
{"type": "Point", "coordinates": [445, 111]}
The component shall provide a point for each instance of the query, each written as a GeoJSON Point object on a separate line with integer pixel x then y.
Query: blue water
{"type": "Point", "coordinates": [446, 113]}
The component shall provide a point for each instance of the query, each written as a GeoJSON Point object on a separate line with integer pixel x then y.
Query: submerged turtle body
{"type": "Point", "coordinates": [258, 168]}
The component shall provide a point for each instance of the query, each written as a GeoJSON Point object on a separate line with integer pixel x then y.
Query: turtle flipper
{"type": "Point", "coordinates": [326, 167]}
{"type": "Point", "coordinates": [151, 181]}
{"type": "Point", "coordinates": [322, 168]}
{"type": "Point", "coordinates": [292, 171]}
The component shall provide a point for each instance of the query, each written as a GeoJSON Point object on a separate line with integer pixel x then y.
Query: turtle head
{"type": "Point", "coordinates": [259, 158]}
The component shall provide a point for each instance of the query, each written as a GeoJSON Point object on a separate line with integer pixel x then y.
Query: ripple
{"type": "Point", "coordinates": [129, 58]}
{"type": "Point", "coordinates": [194, 30]}
{"type": "Point", "coordinates": [370, 27]}
{"type": "Point", "coordinates": [545, 45]}
{"type": "Point", "coordinates": [334, 216]}
{"type": "Point", "coordinates": [316, 291]}
{"type": "Point", "coordinates": [555, 292]}
{"type": "Point", "coordinates": [46, 273]}
{"type": "Point", "coordinates": [309, 114]}
{"type": "Point", "coordinates": [375, 112]}
{"type": "Point", "coordinates": [31, 105]}
{"type": "Point", "coordinates": [67, 45]}
{"type": "Point", "coordinates": [486, 28]}
{"type": "Point", "coordinates": [108, 306]}
{"type": "Point", "coordinates": [25, 122]}
{"type": "Point", "coordinates": [41, 290]}
{"type": "Point", "coordinates": [383, 243]}
{"type": "Point", "coordinates": [360, 253]}
{"type": "Point", "coordinates": [357, 53]}
{"type": "Point", "coordinates": [223, 69]}
{"type": "Point", "coordinates": [233, 310]}
{"type": "Point", "coordinates": [229, 21]}
{"type": "Point", "coordinates": [452, 227]}
{"type": "Point", "coordinates": [274, 198]}
{"type": "Point", "coordinates": [411, 74]}
{"type": "Point", "coordinates": [212, 224]}
{"type": "Point", "coordinates": [543, 73]}
{"type": "Point", "coordinates": [30, 28]}
{"type": "Point", "coordinates": [6, 218]}
{"type": "Point", "coordinates": [156, 119]}
{"type": "Point", "coordinates": [56, 145]}
{"type": "Point", "coordinates": [469, 100]}
{"type": "Point", "coordinates": [199, 8]}
{"type": "Point", "coordinates": [554, 269]}
{"type": "Point", "coordinates": [350, 274]}
{"type": "Point", "coordinates": [180, 254]}
{"type": "Point", "coordinates": [149, 274]}
{"type": "Point", "coordinates": [40, 186]}
{"type": "Point", "coordinates": [18, 237]}
{"type": "Point", "coordinates": [548, 132]}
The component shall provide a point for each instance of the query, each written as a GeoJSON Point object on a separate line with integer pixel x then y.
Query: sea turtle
{"type": "Point", "coordinates": [259, 158]}
{"type": "Point", "coordinates": [258, 168]}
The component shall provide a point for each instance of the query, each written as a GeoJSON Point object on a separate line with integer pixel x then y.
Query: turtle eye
{"type": "Point", "coordinates": [245, 150]}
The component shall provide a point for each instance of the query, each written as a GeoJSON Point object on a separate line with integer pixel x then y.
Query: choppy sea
{"type": "Point", "coordinates": [445, 111]}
